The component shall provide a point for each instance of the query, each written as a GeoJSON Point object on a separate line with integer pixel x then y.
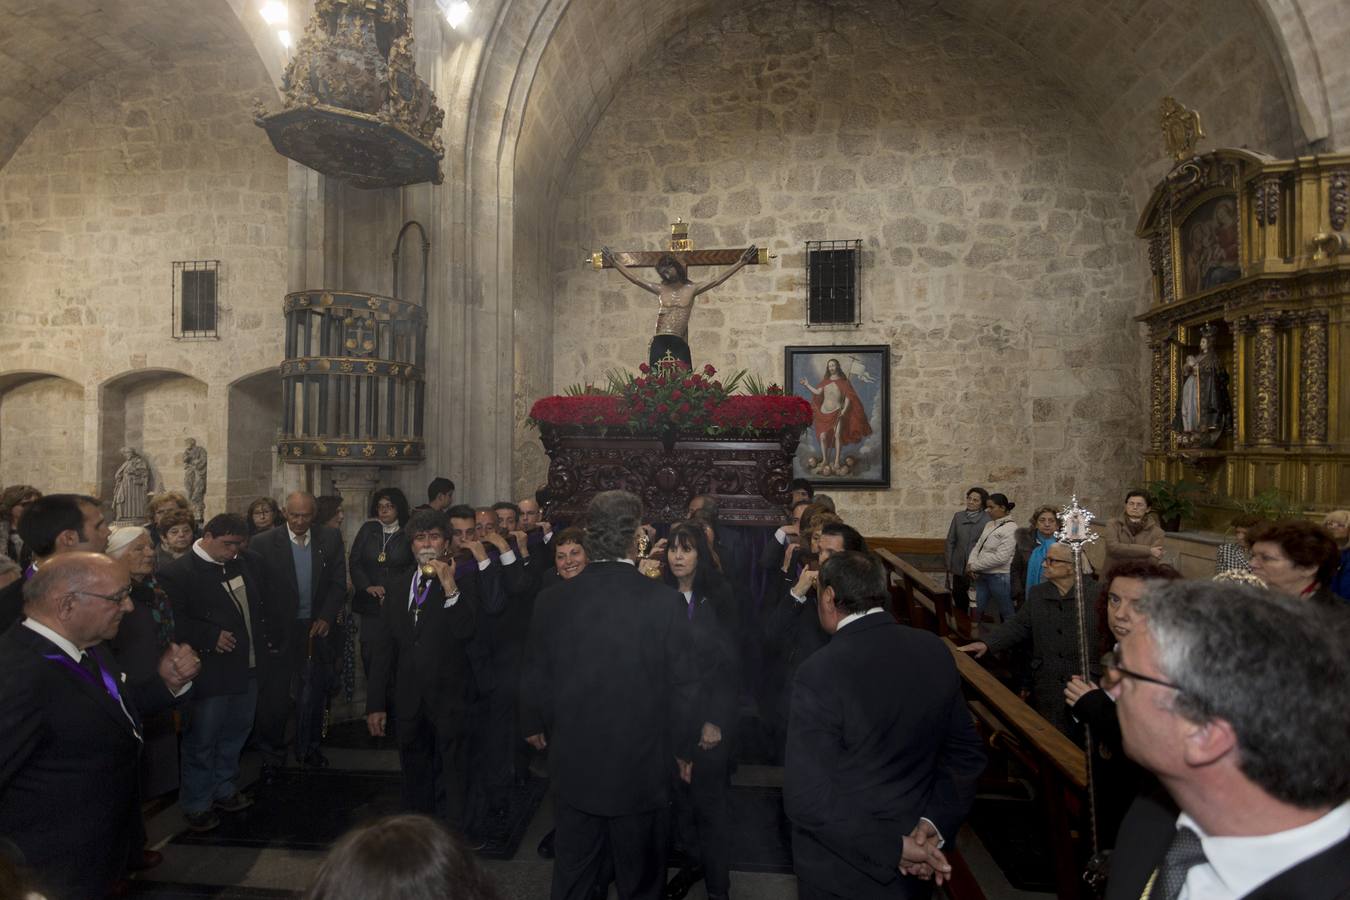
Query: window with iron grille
{"type": "Point", "coordinates": [195, 289]}
{"type": "Point", "coordinates": [833, 282]}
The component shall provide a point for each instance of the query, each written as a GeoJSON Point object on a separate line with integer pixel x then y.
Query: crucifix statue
{"type": "Point", "coordinates": [675, 292]}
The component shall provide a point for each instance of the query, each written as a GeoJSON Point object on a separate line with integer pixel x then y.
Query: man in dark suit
{"type": "Point", "coordinates": [610, 686]}
{"type": "Point", "coordinates": [218, 609]}
{"type": "Point", "coordinates": [52, 525]}
{"type": "Point", "coordinates": [1233, 698]}
{"type": "Point", "coordinates": [70, 733]}
{"type": "Point", "coordinates": [429, 620]}
{"type": "Point", "coordinates": [882, 753]}
{"type": "Point", "coordinates": [304, 584]}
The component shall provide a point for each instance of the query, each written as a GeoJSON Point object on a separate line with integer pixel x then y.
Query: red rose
{"type": "Point", "coordinates": [709, 370]}
{"type": "Point", "coordinates": [662, 408]}
{"type": "Point", "coordinates": [717, 385]}
{"type": "Point", "coordinates": [676, 394]}
{"type": "Point", "coordinates": [684, 407]}
{"type": "Point", "coordinates": [644, 368]}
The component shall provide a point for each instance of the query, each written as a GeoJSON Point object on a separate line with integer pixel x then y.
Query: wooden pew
{"type": "Point", "coordinates": [921, 601]}
{"type": "Point", "coordinates": [1010, 726]}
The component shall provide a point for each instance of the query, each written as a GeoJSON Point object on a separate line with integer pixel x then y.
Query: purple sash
{"type": "Point", "coordinates": [109, 683]}
{"type": "Point", "coordinates": [420, 596]}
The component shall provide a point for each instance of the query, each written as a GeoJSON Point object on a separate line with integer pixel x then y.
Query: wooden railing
{"type": "Point", "coordinates": [1010, 726]}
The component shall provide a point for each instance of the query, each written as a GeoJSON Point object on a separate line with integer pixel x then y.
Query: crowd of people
{"type": "Point", "coordinates": [640, 663]}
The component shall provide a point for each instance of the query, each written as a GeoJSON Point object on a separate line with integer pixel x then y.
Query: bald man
{"type": "Point", "coordinates": [70, 734]}
{"type": "Point", "coordinates": [304, 584]}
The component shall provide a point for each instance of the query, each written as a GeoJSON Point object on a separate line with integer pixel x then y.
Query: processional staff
{"type": "Point", "coordinates": [1074, 530]}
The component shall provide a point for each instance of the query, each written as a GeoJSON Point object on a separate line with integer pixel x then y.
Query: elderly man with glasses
{"type": "Point", "coordinates": [70, 726]}
{"type": "Point", "coordinates": [1049, 619]}
{"type": "Point", "coordinates": [1234, 698]}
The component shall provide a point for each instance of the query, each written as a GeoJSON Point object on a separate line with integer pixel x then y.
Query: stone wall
{"type": "Point", "coordinates": [158, 417]}
{"type": "Point", "coordinates": [127, 174]}
{"type": "Point", "coordinates": [998, 257]}
{"type": "Point", "coordinates": [42, 432]}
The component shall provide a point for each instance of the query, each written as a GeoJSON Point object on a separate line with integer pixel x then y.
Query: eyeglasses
{"type": "Point", "coordinates": [1110, 664]}
{"type": "Point", "coordinates": [111, 598]}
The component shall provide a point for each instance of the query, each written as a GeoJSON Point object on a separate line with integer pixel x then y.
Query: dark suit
{"type": "Point", "coordinates": [610, 679]}
{"type": "Point", "coordinates": [68, 765]}
{"type": "Point", "coordinates": [281, 600]}
{"type": "Point", "coordinates": [427, 655]}
{"type": "Point", "coordinates": [879, 737]}
{"type": "Point", "coordinates": [11, 604]}
{"type": "Point", "coordinates": [702, 810]}
{"type": "Point", "coordinates": [1148, 829]}
{"type": "Point", "coordinates": [792, 633]}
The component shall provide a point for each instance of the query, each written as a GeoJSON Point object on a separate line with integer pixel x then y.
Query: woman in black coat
{"type": "Point", "coordinates": [381, 552]}
{"type": "Point", "coordinates": [702, 811]}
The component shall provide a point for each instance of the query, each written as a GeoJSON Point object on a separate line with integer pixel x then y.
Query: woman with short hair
{"type": "Point", "coordinates": [1234, 556]}
{"type": "Point", "coordinates": [142, 639]}
{"type": "Point", "coordinates": [1029, 553]}
{"type": "Point", "coordinates": [176, 536]}
{"type": "Point", "coordinates": [263, 514]}
{"type": "Point", "coordinates": [1296, 558]}
{"type": "Point", "coordinates": [381, 554]}
{"type": "Point", "coordinates": [1135, 534]}
{"type": "Point", "coordinates": [965, 530]}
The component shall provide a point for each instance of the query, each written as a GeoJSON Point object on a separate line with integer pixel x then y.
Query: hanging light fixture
{"type": "Point", "coordinates": [354, 107]}
{"type": "Point", "coordinates": [456, 12]}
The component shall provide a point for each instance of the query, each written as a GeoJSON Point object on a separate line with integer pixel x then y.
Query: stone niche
{"type": "Point", "coordinates": [998, 262]}
{"type": "Point", "coordinates": [129, 172]}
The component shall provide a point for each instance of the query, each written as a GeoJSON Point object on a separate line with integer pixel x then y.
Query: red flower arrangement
{"type": "Point", "coordinates": [673, 397]}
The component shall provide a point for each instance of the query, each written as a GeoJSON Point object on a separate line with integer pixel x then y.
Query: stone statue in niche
{"type": "Point", "coordinates": [1204, 409]}
{"type": "Point", "coordinates": [675, 295]}
{"type": "Point", "coordinates": [131, 487]}
{"type": "Point", "coordinates": [194, 477]}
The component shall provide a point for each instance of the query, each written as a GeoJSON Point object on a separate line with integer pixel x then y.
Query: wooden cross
{"type": "Point", "coordinates": [682, 249]}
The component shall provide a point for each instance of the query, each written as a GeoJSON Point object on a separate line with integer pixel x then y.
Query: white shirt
{"type": "Point", "coordinates": [59, 640]}
{"type": "Point", "coordinates": [301, 539]}
{"type": "Point", "coordinates": [412, 592]}
{"type": "Point", "coordinates": [781, 536]}
{"type": "Point", "coordinates": [856, 616]}
{"type": "Point", "coordinates": [236, 589]}
{"type": "Point", "coordinates": [1236, 866]}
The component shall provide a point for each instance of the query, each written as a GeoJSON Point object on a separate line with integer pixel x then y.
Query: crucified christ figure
{"type": "Point", "coordinates": [675, 295]}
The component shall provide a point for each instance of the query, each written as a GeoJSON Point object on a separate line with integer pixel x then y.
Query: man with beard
{"type": "Point", "coordinates": [429, 618]}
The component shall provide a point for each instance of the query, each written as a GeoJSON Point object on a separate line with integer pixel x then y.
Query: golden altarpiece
{"type": "Point", "coordinates": [1248, 330]}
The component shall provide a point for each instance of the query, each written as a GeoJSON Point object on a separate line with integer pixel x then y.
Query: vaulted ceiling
{"type": "Point", "coordinates": [49, 47]}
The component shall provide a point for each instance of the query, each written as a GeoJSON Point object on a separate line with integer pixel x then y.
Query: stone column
{"type": "Point", "coordinates": [1265, 380]}
{"type": "Point", "coordinates": [1313, 380]}
{"type": "Point", "coordinates": [355, 484]}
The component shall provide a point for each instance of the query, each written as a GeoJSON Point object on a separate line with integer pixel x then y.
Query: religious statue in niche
{"type": "Point", "coordinates": [194, 476]}
{"type": "Point", "coordinates": [1209, 245]}
{"type": "Point", "coordinates": [675, 295]}
{"type": "Point", "coordinates": [131, 487]}
{"type": "Point", "coordinates": [1204, 409]}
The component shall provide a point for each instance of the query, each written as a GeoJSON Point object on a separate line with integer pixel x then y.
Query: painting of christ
{"type": "Point", "coordinates": [847, 443]}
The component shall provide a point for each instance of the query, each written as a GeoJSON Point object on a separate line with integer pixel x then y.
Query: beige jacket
{"type": "Point", "coordinates": [1122, 546]}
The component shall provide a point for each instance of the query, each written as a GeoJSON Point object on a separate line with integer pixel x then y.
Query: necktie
{"type": "Point", "coordinates": [87, 663]}
{"type": "Point", "coordinates": [1183, 853]}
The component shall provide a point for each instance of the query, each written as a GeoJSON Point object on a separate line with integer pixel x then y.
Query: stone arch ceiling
{"type": "Point", "coordinates": [49, 47]}
{"type": "Point", "coordinates": [1115, 59]}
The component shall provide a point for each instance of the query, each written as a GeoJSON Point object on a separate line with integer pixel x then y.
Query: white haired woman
{"type": "Point", "coordinates": [142, 638]}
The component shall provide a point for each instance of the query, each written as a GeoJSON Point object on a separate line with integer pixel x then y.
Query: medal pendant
{"type": "Point", "coordinates": [381, 557]}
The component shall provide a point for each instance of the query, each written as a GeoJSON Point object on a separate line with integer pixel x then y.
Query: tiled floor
{"type": "Point", "coordinates": [525, 877]}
